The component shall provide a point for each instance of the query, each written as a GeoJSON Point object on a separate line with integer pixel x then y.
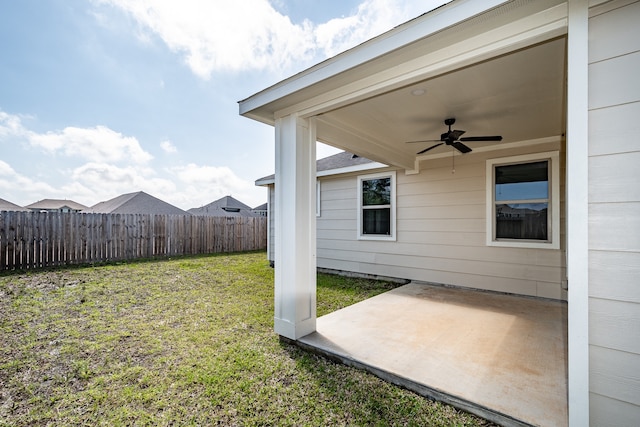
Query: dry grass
{"type": "Point", "coordinates": [181, 342]}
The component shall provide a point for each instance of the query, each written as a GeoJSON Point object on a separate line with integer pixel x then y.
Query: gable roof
{"type": "Point", "coordinates": [136, 203]}
{"type": "Point", "coordinates": [338, 163]}
{"type": "Point", "coordinates": [53, 204]}
{"type": "Point", "coordinates": [225, 206]}
{"type": "Point", "coordinates": [6, 205]}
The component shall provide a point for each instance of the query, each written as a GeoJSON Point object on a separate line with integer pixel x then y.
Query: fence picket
{"type": "Point", "coordinates": [31, 240]}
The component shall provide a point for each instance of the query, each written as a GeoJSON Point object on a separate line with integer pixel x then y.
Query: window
{"type": "Point", "coordinates": [376, 201]}
{"type": "Point", "coordinates": [522, 201]}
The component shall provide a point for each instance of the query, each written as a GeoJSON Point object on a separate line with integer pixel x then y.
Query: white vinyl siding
{"type": "Point", "coordinates": [440, 234]}
{"type": "Point", "coordinates": [318, 203]}
{"type": "Point", "coordinates": [614, 213]}
{"type": "Point", "coordinates": [271, 245]}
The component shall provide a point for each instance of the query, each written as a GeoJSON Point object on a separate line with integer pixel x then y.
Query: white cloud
{"type": "Point", "coordinates": [223, 35]}
{"type": "Point", "coordinates": [204, 184]}
{"type": "Point", "coordinates": [96, 144]}
{"type": "Point", "coordinates": [10, 125]}
{"type": "Point", "coordinates": [117, 165]}
{"type": "Point", "coordinates": [372, 18]}
{"type": "Point", "coordinates": [193, 185]}
{"type": "Point", "coordinates": [109, 180]}
{"type": "Point", "coordinates": [209, 175]}
{"type": "Point", "coordinates": [10, 181]}
{"type": "Point", "coordinates": [251, 34]}
{"type": "Point", "coordinates": [168, 147]}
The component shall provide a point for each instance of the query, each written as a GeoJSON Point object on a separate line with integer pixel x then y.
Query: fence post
{"type": "Point", "coordinates": [44, 239]}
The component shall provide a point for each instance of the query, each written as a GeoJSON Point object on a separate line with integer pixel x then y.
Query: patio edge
{"type": "Point", "coordinates": [421, 389]}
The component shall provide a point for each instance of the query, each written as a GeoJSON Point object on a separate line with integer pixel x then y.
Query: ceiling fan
{"type": "Point", "coordinates": [452, 138]}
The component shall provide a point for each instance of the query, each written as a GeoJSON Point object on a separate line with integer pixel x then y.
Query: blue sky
{"type": "Point", "coordinates": [104, 97]}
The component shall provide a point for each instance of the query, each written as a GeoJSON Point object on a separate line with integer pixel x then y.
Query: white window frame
{"type": "Point", "coordinates": [392, 225]}
{"type": "Point", "coordinates": [554, 201]}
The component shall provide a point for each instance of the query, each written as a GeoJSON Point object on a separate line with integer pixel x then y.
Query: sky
{"type": "Point", "coordinates": [100, 98]}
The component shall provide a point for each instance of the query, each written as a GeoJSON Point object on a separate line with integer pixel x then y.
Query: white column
{"type": "Point", "coordinates": [577, 198]}
{"type": "Point", "coordinates": [295, 227]}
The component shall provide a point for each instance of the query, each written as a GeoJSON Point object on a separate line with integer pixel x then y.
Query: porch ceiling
{"type": "Point", "coordinates": [519, 96]}
{"type": "Point", "coordinates": [501, 71]}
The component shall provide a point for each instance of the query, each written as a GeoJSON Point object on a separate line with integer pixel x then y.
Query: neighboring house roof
{"type": "Point", "coordinates": [338, 163]}
{"type": "Point", "coordinates": [55, 204]}
{"type": "Point", "coordinates": [136, 203]}
{"type": "Point", "coordinates": [226, 206]}
{"type": "Point", "coordinates": [262, 207]}
{"type": "Point", "coordinates": [5, 205]}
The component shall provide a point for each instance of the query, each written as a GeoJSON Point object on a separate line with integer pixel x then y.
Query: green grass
{"type": "Point", "coordinates": [187, 341]}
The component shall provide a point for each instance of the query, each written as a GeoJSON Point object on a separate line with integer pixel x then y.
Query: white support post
{"type": "Point", "coordinates": [577, 199]}
{"type": "Point", "coordinates": [295, 227]}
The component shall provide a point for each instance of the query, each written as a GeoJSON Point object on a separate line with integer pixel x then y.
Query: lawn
{"type": "Point", "coordinates": [186, 341]}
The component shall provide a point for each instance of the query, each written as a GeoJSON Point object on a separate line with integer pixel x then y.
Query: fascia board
{"type": "Point", "coordinates": [265, 182]}
{"type": "Point", "coordinates": [349, 169]}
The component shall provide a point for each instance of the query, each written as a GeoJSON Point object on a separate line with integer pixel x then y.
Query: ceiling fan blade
{"type": "Point", "coordinates": [430, 148]}
{"type": "Point", "coordinates": [482, 138]}
{"type": "Point", "coordinates": [423, 140]}
{"type": "Point", "coordinates": [460, 147]}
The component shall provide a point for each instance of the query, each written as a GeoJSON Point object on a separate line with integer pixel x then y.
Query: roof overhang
{"type": "Point", "coordinates": [497, 67]}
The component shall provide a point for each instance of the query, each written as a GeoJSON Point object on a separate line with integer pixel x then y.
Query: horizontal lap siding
{"type": "Point", "coordinates": [271, 244]}
{"type": "Point", "coordinates": [614, 213]}
{"type": "Point", "coordinates": [440, 233]}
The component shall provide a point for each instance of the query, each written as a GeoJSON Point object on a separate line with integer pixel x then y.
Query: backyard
{"type": "Point", "coordinates": [184, 341]}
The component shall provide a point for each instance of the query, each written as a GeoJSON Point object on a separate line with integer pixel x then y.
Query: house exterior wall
{"type": "Point", "coordinates": [271, 231]}
{"type": "Point", "coordinates": [614, 213]}
{"type": "Point", "coordinates": [441, 223]}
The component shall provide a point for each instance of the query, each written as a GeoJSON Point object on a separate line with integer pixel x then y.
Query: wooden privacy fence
{"type": "Point", "coordinates": [43, 239]}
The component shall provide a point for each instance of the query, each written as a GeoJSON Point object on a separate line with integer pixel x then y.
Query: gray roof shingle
{"type": "Point", "coordinates": [136, 203]}
{"type": "Point", "coordinates": [6, 205]}
{"type": "Point", "coordinates": [46, 204]}
{"type": "Point", "coordinates": [226, 206]}
{"type": "Point", "coordinates": [337, 161]}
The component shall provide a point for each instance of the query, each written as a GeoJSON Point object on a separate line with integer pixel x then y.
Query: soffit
{"type": "Point", "coordinates": [519, 96]}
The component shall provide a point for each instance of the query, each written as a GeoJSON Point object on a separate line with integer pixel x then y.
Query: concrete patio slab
{"type": "Point", "coordinates": [502, 357]}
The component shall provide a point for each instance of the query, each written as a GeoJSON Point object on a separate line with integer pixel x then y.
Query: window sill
{"type": "Point", "coordinates": [527, 244]}
{"type": "Point", "coordinates": [377, 237]}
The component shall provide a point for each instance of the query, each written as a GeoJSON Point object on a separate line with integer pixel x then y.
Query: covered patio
{"type": "Point", "coordinates": [516, 69]}
{"type": "Point", "coordinates": [502, 357]}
